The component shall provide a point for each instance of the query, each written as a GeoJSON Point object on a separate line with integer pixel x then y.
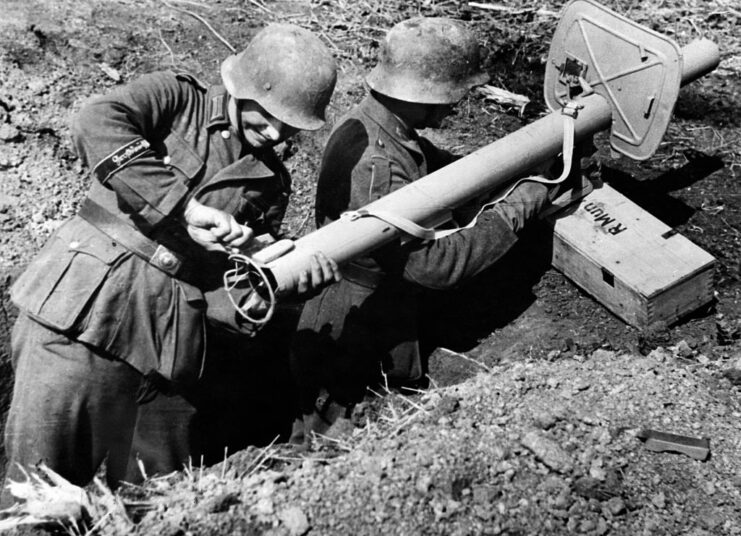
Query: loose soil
{"type": "Point", "coordinates": [537, 392]}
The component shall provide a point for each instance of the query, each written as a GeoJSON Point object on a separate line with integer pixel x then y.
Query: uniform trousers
{"type": "Point", "coordinates": [74, 408]}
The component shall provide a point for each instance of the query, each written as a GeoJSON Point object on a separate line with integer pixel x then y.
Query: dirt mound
{"type": "Point", "coordinates": [529, 448]}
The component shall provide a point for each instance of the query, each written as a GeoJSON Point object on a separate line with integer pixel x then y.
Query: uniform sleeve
{"type": "Point", "coordinates": [116, 136]}
{"type": "Point", "coordinates": [447, 262]}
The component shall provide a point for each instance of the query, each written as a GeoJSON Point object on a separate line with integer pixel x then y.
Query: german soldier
{"type": "Point", "coordinates": [118, 310]}
{"type": "Point", "coordinates": [368, 322]}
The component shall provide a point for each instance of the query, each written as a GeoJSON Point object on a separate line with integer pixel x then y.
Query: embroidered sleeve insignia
{"type": "Point", "coordinates": [120, 158]}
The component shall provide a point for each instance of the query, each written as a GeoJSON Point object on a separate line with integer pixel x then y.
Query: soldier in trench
{"type": "Point", "coordinates": [123, 309]}
{"type": "Point", "coordinates": [367, 325]}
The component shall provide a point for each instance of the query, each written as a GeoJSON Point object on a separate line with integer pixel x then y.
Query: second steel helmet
{"type": "Point", "coordinates": [288, 71]}
{"type": "Point", "coordinates": [428, 60]}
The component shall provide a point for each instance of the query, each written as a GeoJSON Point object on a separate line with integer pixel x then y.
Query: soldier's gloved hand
{"type": "Point", "coordinates": [322, 272]}
{"type": "Point", "coordinates": [523, 204]}
{"type": "Point", "coordinates": [214, 229]}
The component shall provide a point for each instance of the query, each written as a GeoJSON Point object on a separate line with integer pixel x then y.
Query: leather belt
{"type": "Point", "coordinates": [130, 238]}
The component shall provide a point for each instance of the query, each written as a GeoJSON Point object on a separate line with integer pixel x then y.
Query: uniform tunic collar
{"type": "Point", "coordinates": [247, 162]}
{"type": "Point", "coordinates": [390, 123]}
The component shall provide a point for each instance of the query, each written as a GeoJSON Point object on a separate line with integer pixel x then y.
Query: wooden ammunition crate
{"type": "Point", "coordinates": [632, 263]}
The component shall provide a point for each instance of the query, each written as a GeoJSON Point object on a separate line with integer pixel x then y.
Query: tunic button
{"type": "Point", "coordinates": [167, 259]}
{"type": "Point", "coordinates": [74, 244]}
{"type": "Point", "coordinates": [226, 134]}
{"type": "Point", "coordinates": [167, 160]}
{"type": "Point", "coordinates": [380, 143]}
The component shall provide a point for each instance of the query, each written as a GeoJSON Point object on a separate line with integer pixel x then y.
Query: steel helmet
{"type": "Point", "coordinates": [288, 71]}
{"type": "Point", "coordinates": [428, 60]}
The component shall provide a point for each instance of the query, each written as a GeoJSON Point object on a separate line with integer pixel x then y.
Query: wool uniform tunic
{"type": "Point", "coordinates": [103, 331]}
{"type": "Point", "coordinates": [368, 321]}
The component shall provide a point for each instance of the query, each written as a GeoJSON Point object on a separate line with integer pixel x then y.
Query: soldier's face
{"type": "Point", "coordinates": [258, 127]}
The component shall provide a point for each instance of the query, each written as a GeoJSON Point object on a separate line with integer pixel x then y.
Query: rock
{"type": "Point", "coordinates": [10, 157]}
{"type": "Point", "coordinates": [552, 382]}
{"type": "Point", "coordinates": [683, 349]}
{"type": "Point", "coordinates": [9, 133]}
{"type": "Point", "coordinates": [580, 384]}
{"type": "Point", "coordinates": [483, 494]}
{"type": "Point", "coordinates": [544, 420]}
{"type": "Point", "coordinates": [548, 451]}
{"type": "Point", "coordinates": [587, 417]}
{"type": "Point", "coordinates": [448, 404]}
{"type": "Point", "coordinates": [616, 506]}
{"type": "Point", "coordinates": [8, 202]}
{"type": "Point", "coordinates": [38, 86]}
{"type": "Point", "coordinates": [431, 400]}
{"type": "Point", "coordinates": [294, 519]}
{"type": "Point", "coordinates": [727, 331]}
{"type": "Point", "coordinates": [484, 512]}
{"type": "Point", "coordinates": [172, 530]}
{"type": "Point", "coordinates": [563, 501]}
{"type": "Point", "coordinates": [733, 375]}
{"type": "Point", "coordinates": [606, 355]}
{"type": "Point", "coordinates": [220, 503]}
{"type": "Point", "coordinates": [602, 527]}
{"type": "Point", "coordinates": [660, 354]}
{"type": "Point", "coordinates": [597, 472]}
{"type": "Point", "coordinates": [264, 506]}
{"type": "Point", "coordinates": [659, 500]}
{"type": "Point", "coordinates": [423, 484]}
{"type": "Point", "coordinates": [711, 520]}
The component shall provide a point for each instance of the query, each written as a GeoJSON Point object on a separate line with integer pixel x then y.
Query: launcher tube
{"type": "Point", "coordinates": [429, 200]}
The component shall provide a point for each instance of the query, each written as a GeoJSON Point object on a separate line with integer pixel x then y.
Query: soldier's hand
{"type": "Point", "coordinates": [322, 272]}
{"type": "Point", "coordinates": [214, 229]}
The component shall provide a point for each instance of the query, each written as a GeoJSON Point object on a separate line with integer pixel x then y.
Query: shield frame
{"type": "Point", "coordinates": [637, 70]}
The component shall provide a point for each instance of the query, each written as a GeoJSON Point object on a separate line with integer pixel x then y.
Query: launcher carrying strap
{"type": "Point", "coordinates": [410, 228]}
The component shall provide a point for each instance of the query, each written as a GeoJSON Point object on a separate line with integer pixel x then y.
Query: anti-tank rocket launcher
{"type": "Point", "coordinates": [604, 72]}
